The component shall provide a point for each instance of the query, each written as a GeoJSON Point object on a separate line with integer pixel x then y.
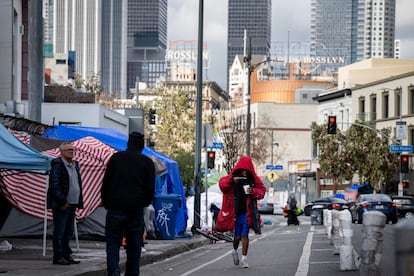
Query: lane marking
{"type": "Point", "coordinates": [227, 253]}
{"type": "Point", "coordinates": [303, 266]}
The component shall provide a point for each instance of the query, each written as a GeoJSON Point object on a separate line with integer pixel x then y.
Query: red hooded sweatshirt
{"type": "Point", "coordinates": [226, 216]}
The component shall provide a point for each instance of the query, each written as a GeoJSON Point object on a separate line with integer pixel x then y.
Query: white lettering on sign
{"type": "Point", "coordinates": [181, 55]}
{"type": "Point", "coordinates": [312, 60]}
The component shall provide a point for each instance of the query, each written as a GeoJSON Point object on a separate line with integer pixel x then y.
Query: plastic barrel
{"type": "Point", "coordinates": [166, 209]}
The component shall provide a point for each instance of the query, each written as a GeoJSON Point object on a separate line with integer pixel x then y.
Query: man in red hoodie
{"type": "Point", "coordinates": [241, 189]}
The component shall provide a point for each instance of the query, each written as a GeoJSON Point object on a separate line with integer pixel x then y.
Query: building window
{"type": "Point", "coordinates": [411, 135]}
{"type": "Point", "coordinates": [411, 100]}
{"type": "Point", "coordinates": [361, 110]}
{"type": "Point", "coordinates": [373, 108]}
{"type": "Point", "coordinates": [385, 105]}
{"type": "Point", "coordinates": [397, 104]}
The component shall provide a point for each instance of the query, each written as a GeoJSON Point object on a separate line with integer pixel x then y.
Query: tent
{"type": "Point", "coordinates": [93, 155]}
{"type": "Point", "coordinates": [18, 156]}
{"type": "Point", "coordinates": [19, 161]}
{"type": "Point", "coordinates": [169, 183]}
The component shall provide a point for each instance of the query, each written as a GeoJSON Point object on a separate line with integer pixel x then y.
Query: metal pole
{"type": "Point", "coordinates": [197, 156]}
{"type": "Point", "coordinates": [271, 159]}
{"type": "Point", "coordinates": [400, 187]}
{"type": "Point", "coordinates": [137, 92]}
{"type": "Point", "coordinates": [248, 119]}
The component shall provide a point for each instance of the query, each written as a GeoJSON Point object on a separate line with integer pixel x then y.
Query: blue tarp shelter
{"type": "Point", "coordinates": [15, 155]}
{"type": "Point", "coordinates": [169, 183]}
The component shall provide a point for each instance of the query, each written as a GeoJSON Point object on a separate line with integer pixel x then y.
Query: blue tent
{"type": "Point", "coordinates": [169, 183]}
{"type": "Point", "coordinates": [15, 155]}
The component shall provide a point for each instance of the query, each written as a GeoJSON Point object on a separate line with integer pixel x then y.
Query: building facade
{"type": "Point", "coordinates": [355, 29]}
{"type": "Point", "coordinates": [254, 16]}
{"type": "Point", "coordinates": [146, 42]}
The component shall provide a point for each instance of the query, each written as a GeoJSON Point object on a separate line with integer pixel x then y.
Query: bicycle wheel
{"type": "Point", "coordinates": [206, 234]}
{"type": "Point", "coordinates": [223, 236]}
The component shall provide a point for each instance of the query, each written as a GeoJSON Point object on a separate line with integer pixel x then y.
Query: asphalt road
{"type": "Point", "coordinates": [280, 250]}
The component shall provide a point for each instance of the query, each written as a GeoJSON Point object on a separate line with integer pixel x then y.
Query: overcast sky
{"type": "Point", "coordinates": [291, 16]}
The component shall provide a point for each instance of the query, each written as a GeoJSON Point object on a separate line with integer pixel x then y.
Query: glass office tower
{"type": "Point", "coordinates": [146, 41]}
{"type": "Point", "coordinates": [254, 16]}
{"type": "Point", "coordinates": [356, 29]}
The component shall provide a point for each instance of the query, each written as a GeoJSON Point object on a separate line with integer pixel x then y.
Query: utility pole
{"type": "Point", "coordinates": [197, 156]}
{"type": "Point", "coordinates": [248, 60]}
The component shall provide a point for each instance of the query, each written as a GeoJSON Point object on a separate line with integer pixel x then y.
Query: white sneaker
{"type": "Point", "coordinates": [244, 264]}
{"type": "Point", "coordinates": [143, 249]}
{"type": "Point", "coordinates": [235, 258]}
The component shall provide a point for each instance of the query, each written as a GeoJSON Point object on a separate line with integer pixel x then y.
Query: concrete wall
{"type": "Point", "coordinates": [372, 70]}
{"type": "Point", "coordinates": [291, 126]}
{"type": "Point", "coordinates": [91, 115]}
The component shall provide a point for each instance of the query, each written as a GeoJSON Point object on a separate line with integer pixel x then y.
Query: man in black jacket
{"type": "Point", "coordinates": [63, 197]}
{"type": "Point", "coordinates": [128, 186]}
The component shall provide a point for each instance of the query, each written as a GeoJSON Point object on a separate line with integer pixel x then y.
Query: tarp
{"type": "Point", "coordinates": [15, 155]}
{"type": "Point", "coordinates": [169, 183]}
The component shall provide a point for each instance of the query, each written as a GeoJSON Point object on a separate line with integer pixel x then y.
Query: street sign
{"type": "Point", "coordinates": [274, 167]}
{"type": "Point", "coordinates": [401, 130]}
{"type": "Point", "coordinates": [216, 145]}
{"type": "Point", "coordinates": [397, 148]}
{"type": "Point", "coordinates": [272, 177]}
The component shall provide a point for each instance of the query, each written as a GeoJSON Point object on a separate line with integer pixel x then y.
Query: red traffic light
{"type": "Point", "coordinates": [405, 184]}
{"type": "Point", "coordinates": [404, 164]}
{"type": "Point", "coordinates": [332, 125]}
{"type": "Point", "coordinates": [211, 157]}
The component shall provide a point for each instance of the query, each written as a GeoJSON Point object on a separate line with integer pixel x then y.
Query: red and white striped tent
{"type": "Point", "coordinates": [27, 191]}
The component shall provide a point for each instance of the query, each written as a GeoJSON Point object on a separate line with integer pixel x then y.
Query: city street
{"type": "Point", "coordinates": [280, 250]}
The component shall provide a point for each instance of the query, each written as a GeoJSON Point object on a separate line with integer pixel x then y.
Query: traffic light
{"type": "Point", "coordinates": [404, 164]}
{"type": "Point", "coordinates": [331, 124]}
{"type": "Point", "coordinates": [152, 113]}
{"type": "Point", "coordinates": [405, 184]}
{"type": "Point", "coordinates": [211, 157]}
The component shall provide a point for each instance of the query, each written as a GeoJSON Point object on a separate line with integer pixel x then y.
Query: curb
{"type": "Point", "coordinates": [151, 256]}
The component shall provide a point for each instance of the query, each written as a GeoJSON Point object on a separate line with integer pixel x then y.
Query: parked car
{"type": "Point", "coordinates": [377, 202]}
{"type": "Point", "coordinates": [329, 203]}
{"type": "Point", "coordinates": [277, 208]}
{"type": "Point", "coordinates": [405, 205]}
{"type": "Point", "coordinates": [265, 205]}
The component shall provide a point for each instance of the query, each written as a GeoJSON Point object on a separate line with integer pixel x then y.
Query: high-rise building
{"type": "Point", "coordinates": [254, 16]}
{"type": "Point", "coordinates": [354, 29]}
{"type": "Point", "coordinates": [76, 27]}
{"type": "Point", "coordinates": [114, 50]}
{"type": "Point", "coordinates": [146, 41]}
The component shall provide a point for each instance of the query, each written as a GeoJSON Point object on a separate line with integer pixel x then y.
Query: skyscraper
{"type": "Point", "coordinates": [114, 50]}
{"type": "Point", "coordinates": [146, 41]}
{"type": "Point", "coordinates": [254, 16]}
{"type": "Point", "coordinates": [356, 29]}
{"type": "Point", "coordinates": [76, 27]}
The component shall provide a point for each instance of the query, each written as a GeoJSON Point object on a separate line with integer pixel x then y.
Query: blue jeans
{"type": "Point", "coordinates": [130, 224]}
{"type": "Point", "coordinates": [63, 222]}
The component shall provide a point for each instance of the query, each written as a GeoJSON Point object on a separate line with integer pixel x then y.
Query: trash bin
{"type": "Point", "coordinates": [166, 209]}
{"type": "Point", "coordinates": [317, 215]}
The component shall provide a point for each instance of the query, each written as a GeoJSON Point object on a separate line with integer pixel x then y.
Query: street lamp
{"type": "Point", "coordinates": [250, 69]}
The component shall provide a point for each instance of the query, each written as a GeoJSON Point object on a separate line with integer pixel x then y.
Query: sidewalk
{"type": "Point", "coordinates": [26, 256]}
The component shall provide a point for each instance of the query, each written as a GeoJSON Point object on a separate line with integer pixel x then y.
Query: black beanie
{"type": "Point", "coordinates": [135, 141]}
